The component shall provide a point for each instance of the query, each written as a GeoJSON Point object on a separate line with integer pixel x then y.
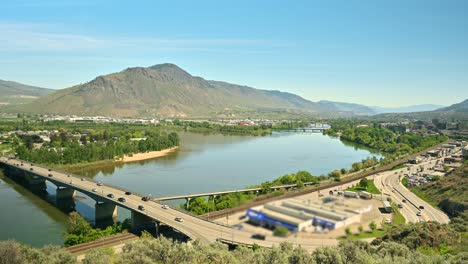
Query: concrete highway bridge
{"type": "Point", "coordinates": [153, 215]}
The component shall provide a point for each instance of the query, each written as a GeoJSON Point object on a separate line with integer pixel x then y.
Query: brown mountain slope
{"type": "Point", "coordinates": [166, 90]}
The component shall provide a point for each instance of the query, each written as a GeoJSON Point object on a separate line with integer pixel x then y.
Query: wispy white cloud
{"type": "Point", "coordinates": [42, 37]}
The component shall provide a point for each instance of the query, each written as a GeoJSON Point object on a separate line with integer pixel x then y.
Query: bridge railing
{"type": "Point", "coordinates": [77, 177]}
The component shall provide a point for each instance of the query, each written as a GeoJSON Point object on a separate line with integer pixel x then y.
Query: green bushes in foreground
{"type": "Point", "coordinates": [80, 231]}
{"type": "Point", "coordinates": [162, 250]}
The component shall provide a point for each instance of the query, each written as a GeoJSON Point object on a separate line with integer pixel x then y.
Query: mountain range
{"type": "Point", "coordinates": [165, 90]}
{"type": "Point", "coordinates": [17, 93]}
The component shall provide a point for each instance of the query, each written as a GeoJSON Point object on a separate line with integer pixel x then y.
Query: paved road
{"type": "Point", "coordinates": [391, 185]}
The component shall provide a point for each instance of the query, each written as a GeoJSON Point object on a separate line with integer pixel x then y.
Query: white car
{"type": "Point", "coordinates": [418, 214]}
{"type": "Point", "coordinates": [179, 219]}
{"type": "Point", "coordinates": [165, 206]}
{"type": "Point", "coordinates": [94, 190]}
{"type": "Point", "coordinates": [388, 221]}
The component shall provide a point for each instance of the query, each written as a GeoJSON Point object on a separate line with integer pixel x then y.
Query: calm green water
{"type": "Point", "coordinates": [204, 163]}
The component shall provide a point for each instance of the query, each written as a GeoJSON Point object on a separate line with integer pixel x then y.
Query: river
{"type": "Point", "coordinates": [203, 163]}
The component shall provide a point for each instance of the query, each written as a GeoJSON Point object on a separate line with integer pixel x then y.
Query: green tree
{"type": "Point", "coordinates": [348, 231]}
{"type": "Point", "coordinates": [360, 228]}
{"type": "Point", "coordinates": [281, 231]}
{"type": "Point", "coordinates": [373, 226]}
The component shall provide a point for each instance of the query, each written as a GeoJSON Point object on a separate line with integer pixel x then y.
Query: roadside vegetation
{"type": "Point", "coordinates": [398, 249]}
{"type": "Point", "coordinates": [365, 185]}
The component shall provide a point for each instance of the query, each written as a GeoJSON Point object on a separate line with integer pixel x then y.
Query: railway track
{"type": "Point", "coordinates": [100, 243]}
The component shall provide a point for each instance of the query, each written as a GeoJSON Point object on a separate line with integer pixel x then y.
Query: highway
{"type": "Point", "coordinates": [390, 184]}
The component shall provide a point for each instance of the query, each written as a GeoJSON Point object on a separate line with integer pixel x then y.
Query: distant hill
{"type": "Point", "coordinates": [460, 107]}
{"type": "Point", "coordinates": [13, 92]}
{"type": "Point", "coordinates": [406, 109]}
{"type": "Point", "coordinates": [357, 109]}
{"type": "Point", "coordinates": [456, 111]}
{"type": "Point", "coordinates": [166, 90]}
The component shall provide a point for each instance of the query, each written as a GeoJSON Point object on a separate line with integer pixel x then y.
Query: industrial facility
{"type": "Point", "coordinates": [296, 215]}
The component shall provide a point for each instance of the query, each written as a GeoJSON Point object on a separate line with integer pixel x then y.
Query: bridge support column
{"type": "Point", "coordinates": [65, 193]}
{"type": "Point", "coordinates": [157, 224]}
{"type": "Point", "coordinates": [32, 179]}
{"type": "Point", "coordinates": [105, 211]}
{"type": "Point", "coordinates": [141, 221]}
{"type": "Point", "coordinates": [214, 201]}
{"type": "Point", "coordinates": [187, 203]}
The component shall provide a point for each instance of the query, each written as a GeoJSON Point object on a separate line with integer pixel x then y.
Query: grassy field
{"type": "Point", "coordinates": [404, 181]}
{"type": "Point", "coordinates": [365, 234]}
{"type": "Point", "coordinates": [401, 166]}
{"type": "Point", "coordinates": [423, 196]}
{"type": "Point", "coordinates": [371, 188]}
{"type": "Point", "coordinates": [398, 218]}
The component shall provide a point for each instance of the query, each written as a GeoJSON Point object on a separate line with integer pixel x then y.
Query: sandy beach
{"type": "Point", "coordinates": [147, 155]}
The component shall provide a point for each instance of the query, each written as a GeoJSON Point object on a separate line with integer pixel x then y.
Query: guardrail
{"type": "Point", "coordinates": [78, 177]}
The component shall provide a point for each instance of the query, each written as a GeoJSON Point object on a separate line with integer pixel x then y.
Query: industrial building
{"type": "Point", "coordinates": [296, 215]}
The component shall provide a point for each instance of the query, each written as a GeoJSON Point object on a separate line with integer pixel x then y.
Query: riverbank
{"type": "Point", "coordinates": [102, 164]}
{"type": "Point", "coordinates": [146, 155]}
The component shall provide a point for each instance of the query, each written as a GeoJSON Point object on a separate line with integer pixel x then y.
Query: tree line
{"type": "Point", "coordinates": [71, 148]}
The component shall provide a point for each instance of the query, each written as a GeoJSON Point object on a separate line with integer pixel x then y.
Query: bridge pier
{"type": "Point", "coordinates": [65, 193]}
{"type": "Point", "coordinates": [32, 179]}
{"type": "Point", "coordinates": [105, 211]}
{"type": "Point", "coordinates": [141, 221]}
{"type": "Point", "coordinates": [214, 201]}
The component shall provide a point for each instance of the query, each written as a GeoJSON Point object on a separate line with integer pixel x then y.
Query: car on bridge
{"type": "Point", "coordinates": [141, 208]}
{"type": "Point", "coordinates": [31, 169]}
{"type": "Point", "coordinates": [110, 195]}
{"type": "Point", "coordinates": [50, 175]}
{"type": "Point", "coordinates": [128, 193]}
{"type": "Point", "coordinates": [99, 184]}
{"type": "Point", "coordinates": [418, 213]}
{"type": "Point", "coordinates": [258, 236]}
{"type": "Point", "coordinates": [94, 190]}
{"type": "Point", "coordinates": [421, 207]}
{"type": "Point", "coordinates": [83, 179]}
{"type": "Point", "coordinates": [179, 219]}
{"type": "Point", "coordinates": [50, 169]}
{"type": "Point", "coordinates": [145, 198]}
{"type": "Point", "coordinates": [165, 206]}
{"type": "Point", "coordinates": [122, 200]}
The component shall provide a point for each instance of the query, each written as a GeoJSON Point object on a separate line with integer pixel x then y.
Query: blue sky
{"type": "Point", "coordinates": [385, 53]}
